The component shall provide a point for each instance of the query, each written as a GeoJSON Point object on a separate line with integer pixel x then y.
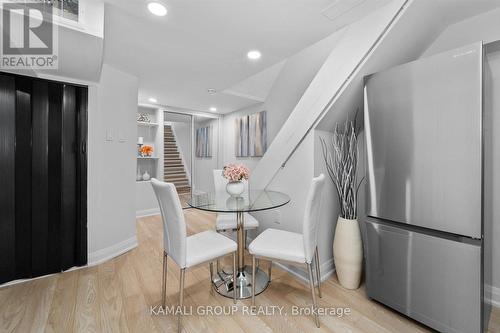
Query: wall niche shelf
{"type": "Point", "coordinates": [149, 133]}
{"type": "Point", "coordinates": [142, 123]}
{"type": "Point", "coordinates": [148, 157]}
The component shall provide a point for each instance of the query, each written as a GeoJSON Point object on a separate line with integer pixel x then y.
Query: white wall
{"type": "Point", "coordinates": [203, 166]}
{"type": "Point", "coordinates": [287, 89]}
{"type": "Point", "coordinates": [329, 205]}
{"type": "Point", "coordinates": [111, 164]}
{"type": "Point", "coordinates": [485, 27]}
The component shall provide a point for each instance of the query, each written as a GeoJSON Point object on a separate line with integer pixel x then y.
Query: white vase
{"type": "Point", "coordinates": [348, 253]}
{"type": "Point", "coordinates": [235, 189]}
{"type": "Point", "coordinates": [146, 176]}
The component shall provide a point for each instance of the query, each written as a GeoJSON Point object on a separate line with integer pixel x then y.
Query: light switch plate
{"type": "Point", "coordinates": [110, 135]}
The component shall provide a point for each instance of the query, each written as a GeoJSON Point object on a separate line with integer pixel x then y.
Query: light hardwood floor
{"type": "Point", "coordinates": [116, 296]}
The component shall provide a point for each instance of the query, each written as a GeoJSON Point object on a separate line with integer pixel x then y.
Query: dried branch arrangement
{"type": "Point", "coordinates": [341, 159]}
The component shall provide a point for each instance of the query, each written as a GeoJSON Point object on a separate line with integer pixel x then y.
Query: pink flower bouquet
{"type": "Point", "coordinates": [235, 172]}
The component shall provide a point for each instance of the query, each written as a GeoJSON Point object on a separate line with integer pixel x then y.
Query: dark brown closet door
{"type": "Point", "coordinates": [68, 177]}
{"type": "Point", "coordinates": [7, 174]}
{"type": "Point", "coordinates": [40, 179]}
{"type": "Point", "coordinates": [43, 176]}
{"type": "Point", "coordinates": [23, 184]}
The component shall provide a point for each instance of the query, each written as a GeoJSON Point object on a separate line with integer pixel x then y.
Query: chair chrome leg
{"type": "Point", "coordinates": [253, 280]}
{"type": "Point", "coordinates": [318, 273]}
{"type": "Point", "coordinates": [181, 299]}
{"type": "Point", "coordinates": [217, 266]}
{"type": "Point", "coordinates": [246, 234]}
{"type": "Point", "coordinates": [211, 277]}
{"type": "Point", "coordinates": [311, 284]}
{"type": "Point", "coordinates": [270, 270]}
{"type": "Point", "coordinates": [235, 289]}
{"type": "Point", "coordinates": [164, 280]}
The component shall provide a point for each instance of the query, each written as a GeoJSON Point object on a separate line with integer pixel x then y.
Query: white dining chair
{"type": "Point", "coordinates": [227, 221]}
{"type": "Point", "coordinates": [186, 251]}
{"type": "Point", "coordinates": [281, 245]}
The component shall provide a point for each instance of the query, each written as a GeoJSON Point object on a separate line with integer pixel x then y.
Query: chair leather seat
{"type": "Point", "coordinates": [227, 221]}
{"type": "Point", "coordinates": [279, 244]}
{"type": "Point", "coordinates": [207, 245]}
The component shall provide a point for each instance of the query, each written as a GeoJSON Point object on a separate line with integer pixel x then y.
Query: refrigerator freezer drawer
{"type": "Point", "coordinates": [434, 280]}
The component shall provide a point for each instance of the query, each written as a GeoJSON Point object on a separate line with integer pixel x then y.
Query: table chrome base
{"type": "Point", "coordinates": [223, 283]}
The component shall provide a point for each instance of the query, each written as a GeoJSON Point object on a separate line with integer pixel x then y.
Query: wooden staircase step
{"type": "Point", "coordinates": [174, 171]}
{"type": "Point", "coordinates": [183, 190]}
{"type": "Point", "coordinates": [174, 167]}
{"type": "Point", "coordinates": [180, 184]}
{"type": "Point", "coordinates": [178, 175]}
{"type": "Point", "coordinates": [181, 180]}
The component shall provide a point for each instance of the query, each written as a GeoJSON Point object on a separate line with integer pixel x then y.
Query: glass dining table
{"type": "Point", "coordinates": [251, 201]}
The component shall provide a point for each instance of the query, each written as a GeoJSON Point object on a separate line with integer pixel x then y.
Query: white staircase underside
{"type": "Point", "coordinates": [357, 41]}
{"type": "Point", "coordinates": [257, 86]}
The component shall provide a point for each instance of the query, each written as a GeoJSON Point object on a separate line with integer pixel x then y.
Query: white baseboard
{"type": "Point", "coordinates": [495, 295]}
{"type": "Point", "coordinates": [112, 251]}
{"type": "Point", "coordinates": [147, 212]}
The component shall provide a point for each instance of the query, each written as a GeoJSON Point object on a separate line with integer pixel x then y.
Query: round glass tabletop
{"type": "Point", "coordinates": [252, 201]}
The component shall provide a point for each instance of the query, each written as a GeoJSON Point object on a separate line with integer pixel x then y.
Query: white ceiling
{"type": "Point", "coordinates": [202, 44]}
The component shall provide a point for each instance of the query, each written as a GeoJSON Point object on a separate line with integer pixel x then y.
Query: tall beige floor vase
{"type": "Point", "coordinates": [348, 252]}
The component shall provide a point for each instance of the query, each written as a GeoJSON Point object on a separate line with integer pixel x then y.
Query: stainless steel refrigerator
{"type": "Point", "coordinates": [427, 135]}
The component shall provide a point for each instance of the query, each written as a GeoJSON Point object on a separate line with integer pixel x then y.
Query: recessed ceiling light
{"type": "Point", "coordinates": [254, 55]}
{"type": "Point", "coordinates": [153, 100]}
{"type": "Point", "coordinates": [157, 9]}
{"type": "Point", "coordinates": [213, 109]}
